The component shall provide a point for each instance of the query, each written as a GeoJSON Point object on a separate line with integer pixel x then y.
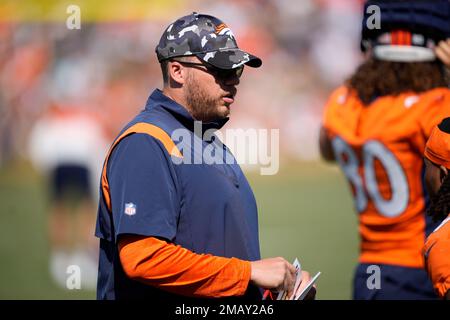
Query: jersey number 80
{"type": "Point", "coordinates": [368, 188]}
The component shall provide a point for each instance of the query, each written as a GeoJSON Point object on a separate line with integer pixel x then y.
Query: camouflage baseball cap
{"type": "Point", "coordinates": [206, 37]}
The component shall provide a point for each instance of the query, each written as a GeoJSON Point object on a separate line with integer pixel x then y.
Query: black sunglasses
{"type": "Point", "coordinates": [216, 72]}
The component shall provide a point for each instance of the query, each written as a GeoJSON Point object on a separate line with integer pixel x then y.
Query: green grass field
{"type": "Point", "coordinates": [305, 211]}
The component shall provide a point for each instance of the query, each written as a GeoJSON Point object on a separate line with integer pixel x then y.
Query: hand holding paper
{"type": "Point", "coordinates": [307, 289]}
{"type": "Point", "coordinates": [304, 285]}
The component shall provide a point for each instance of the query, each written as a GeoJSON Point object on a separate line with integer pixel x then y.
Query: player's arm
{"type": "Point", "coordinates": [175, 269]}
{"type": "Point", "coordinates": [326, 149]}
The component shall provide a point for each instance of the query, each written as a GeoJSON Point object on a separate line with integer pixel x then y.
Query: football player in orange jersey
{"type": "Point", "coordinates": [376, 127]}
{"type": "Point", "coordinates": [437, 247]}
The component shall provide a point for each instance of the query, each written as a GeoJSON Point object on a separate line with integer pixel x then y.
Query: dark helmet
{"type": "Point", "coordinates": [421, 25]}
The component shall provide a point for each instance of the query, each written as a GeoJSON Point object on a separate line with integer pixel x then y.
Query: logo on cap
{"type": "Point", "coordinates": [220, 27]}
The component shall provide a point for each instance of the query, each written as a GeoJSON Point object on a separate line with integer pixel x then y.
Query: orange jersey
{"type": "Point", "coordinates": [437, 257]}
{"type": "Point", "coordinates": [380, 149]}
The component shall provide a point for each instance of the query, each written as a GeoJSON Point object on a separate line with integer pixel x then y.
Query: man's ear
{"type": "Point", "coordinates": [443, 172]}
{"type": "Point", "coordinates": [176, 72]}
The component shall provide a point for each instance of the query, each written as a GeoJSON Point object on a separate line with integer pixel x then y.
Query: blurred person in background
{"type": "Point", "coordinates": [376, 127]}
{"type": "Point", "coordinates": [437, 160]}
{"type": "Point", "coordinates": [67, 145]}
{"type": "Point", "coordinates": [437, 247]}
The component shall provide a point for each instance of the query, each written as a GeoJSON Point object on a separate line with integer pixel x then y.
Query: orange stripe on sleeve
{"type": "Point", "coordinates": [140, 127]}
{"type": "Point", "coordinates": [175, 269]}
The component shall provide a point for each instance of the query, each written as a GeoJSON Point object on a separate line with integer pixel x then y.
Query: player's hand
{"type": "Point", "coordinates": [273, 273]}
{"type": "Point", "coordinates": [306, 278]}
{"type": "Point", "coordinates": [443, 52]}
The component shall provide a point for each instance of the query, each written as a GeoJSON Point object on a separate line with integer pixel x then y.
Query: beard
{"type": "Point", "coordinates": [201, 104]}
